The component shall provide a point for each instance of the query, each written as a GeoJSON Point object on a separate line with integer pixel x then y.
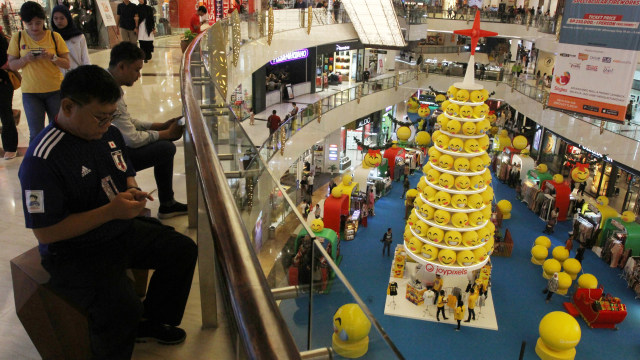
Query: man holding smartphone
{"type": "Point", "coordinates": [149, 144]}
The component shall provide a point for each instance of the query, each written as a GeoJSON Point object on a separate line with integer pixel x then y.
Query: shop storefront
{"type": "Point", "coordinates": [338, 63]}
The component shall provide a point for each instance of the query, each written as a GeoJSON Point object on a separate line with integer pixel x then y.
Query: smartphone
{"type": "Point", "coordinates": [36, 52]}
{"type": "Point", "coordinates": [181, 121]}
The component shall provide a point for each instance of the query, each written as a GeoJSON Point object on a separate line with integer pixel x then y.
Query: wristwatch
{"type": "Point", "coordinates": [54, 58]}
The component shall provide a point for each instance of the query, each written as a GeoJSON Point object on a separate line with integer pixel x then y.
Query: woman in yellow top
{"type": "Point", "coordinates": [459, 314]}
{"type": "Point", "coordinates": [40, 53]}
{"type": "Point", "coordinates": [437, 286]}
{"type": "Point", "coordinates": [473, 298]}
{"type": "Point", "coordinates": [440, 300]}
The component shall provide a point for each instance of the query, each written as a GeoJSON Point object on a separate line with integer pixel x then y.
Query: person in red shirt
{"type": "Point", "coordinates": [273, 122]}
{"type": "Point", "coordinates": [195, 22]}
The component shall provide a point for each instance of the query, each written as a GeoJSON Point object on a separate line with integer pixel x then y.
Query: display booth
{"type": "Point", "coordinates": [334, 209]}
{"type": "Point", "coordinates": [562, 197]}
{"type": "Point", "coordinates": [598, 311]}
{"type": "Point", "coordinates": [391, 154]}
{"type": "Point", "coordinates": [331, 244]}
{"type": "Point", "coordinates": [537, 176]}
{"type": "Point", "coordinates": [585, 226]}
{"type": "Point", "coordinates": [628, 233]}
{"type": "Point", "coordinates": [526, 164]}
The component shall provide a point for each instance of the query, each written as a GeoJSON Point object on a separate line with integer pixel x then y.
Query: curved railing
{"type": "Point", "coordinates": [245, 221]}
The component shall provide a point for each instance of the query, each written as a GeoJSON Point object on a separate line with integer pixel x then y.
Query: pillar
{"type": "Point", "coordinates": [514, 49]}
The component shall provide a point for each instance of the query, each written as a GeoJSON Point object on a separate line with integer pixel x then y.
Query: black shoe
{"type": "Point", "coordinates": [468, 320]}
{"type": "Point", "coordinates": [176, 209]}
{"type": "Point", "coordinates": [163, 334]}
{"type": "Point", "coordinates": [445, 318]}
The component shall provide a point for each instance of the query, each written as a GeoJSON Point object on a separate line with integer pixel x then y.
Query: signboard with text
{"type": "Point", "coordinates": [611, 24]}
{"type": "Point", "coordinates": [593, 81]}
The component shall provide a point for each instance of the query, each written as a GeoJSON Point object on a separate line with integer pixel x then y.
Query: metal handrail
{"type": "Point", "coordinates": [260, 324]}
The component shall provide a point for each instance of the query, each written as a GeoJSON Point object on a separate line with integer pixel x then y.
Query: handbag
{"type": "Point", "coordinates": [15, 78]}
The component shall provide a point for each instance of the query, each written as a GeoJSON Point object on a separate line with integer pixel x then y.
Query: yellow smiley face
{"type": "Point", "coordinates": [440, 98]}
{"type": "Point", "coordinates": [453, 126]}
{"type": "Point", "coordinates": [445, 161]}
{"type": "Point", "coordinates": [403, 133]}
{"type": "Point", "coordinates": [452, 110]}
{"type": "Point", "coordinates": [459, 201]}
{"type": "Point", "coordinates": [442, 141]}
{"type": "Point", "coordinates": [488, 246]}
{"type": "Point", "coordinates": [485, 94]}
{"type": "Point", "coordinates": [426, 211]}
{"type": "Point", "coordinates": [470, 238]}
{"type": "Point", "coordinates": [413, 218]}
{"type": "Point", "coordinates": [487, 195]}
{"type": "Point", "coordinates": [443, 198]}
{"type": "Point", "coordinates": [414, 245]}
{"type": "Point", "coordinates": [446, 180]}
{"type": "Point", "coordinates": [461, 164]}
{"type": "Point", "coordinates": [423, 138]}
{"type": "Point", "coordinates": [482, 127]}
{"type": "Point", "coordinates": [434, 155]}
{"type": "Point", "coordinates": [487, 177]}
{"type": "Point", "coordinates": [476, 164]}
{"type": "Point", "coordinates": [452, 91]}
{"type": "Point", "coordinates": [441, 217]}
{"type": "Point", "coordinates": [429, 252]}
{"type": "Point", "coordinates": [443, 121]}
{"type": "Point", "coordinates": [475, 201]}
{"type": "Point", "coordinates": [447, 257]}
{"type": "Point", "coordinates": [456, 145]}
{"type": "Point", "coordinates": [423, 111]}
{"type": "Point", "coordinates": [483, 142]}
{"type": "Point", "coordinates": [628, 216]}
{"type": "Point", "coordinates": [417, 203]}
{"type": "Point", "coordinates": [477, 182]}
{"type": "Point", "coordinates": [558, 179]}
{"type": "Point", "coordinates": [372, 160]}
{"type": "Point", "coordinates": [491, 228]}
{"type": "Point", "coordinates": [476, 218]}
{"type": "Point", "coordinates": [480, 112]}
{"type": "Point", "coordinates": [429, 193]}
{"type": "Point", "coordinates": [462, 95]}
{"type": "Point", "coordinates": [435, 234]}
{"type": "Point", "coordinates": [452, 238]}
{"type": "Point", "coordinates": [486, 212]}
{"type": "Point", "coordinates": [476, 96]}
{"type": "Point", "coordinates": [486, 160]}
{"type": "Point", "coordinates": [480, 254]}
{"type": "Point", "coordinates": [459, 220]}
{"type": "Point", "coordinates": [469, 128]}
{"type": "Point", "coordinates": [317, 225]}
{"type": "Point", "coordinates": [421, 228]}
{"type": "Point", "coordinates": [492, 118]}
{"type": "Point", "coordinates": [466, 111]}
{"type": "Point", "coordinates": [462, 182]}
{"type": "Point", "coordinates": [471, 146]}
{"type": "Point", "coordinates": [433, 175]}
{"type": "Point", "coordinates": [483, 235]}
{"type": "Point", "coordinates": [466, 258]}
{"type": "Point", "coordinates": [580, 174]}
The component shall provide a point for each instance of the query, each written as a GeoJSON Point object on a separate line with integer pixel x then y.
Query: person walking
{"type": "Point", "coordinates": [552, 287]}
{"type": "Point", "coordinates": [440, 303]}
{"type": "Point", "coordinates": [364, 213]}
{"type": "Point", "coordinates": [127, 21]}
{"type": "Point", "coordinates": [387, 239]}
{"type": "Point", "coordinates": [551, 222]}
{"type": "Point", "coordinates": [9, 131]}
{"type": "Point", "coordinates": [40, 53]}
{"type": "Point", "coordinates": [62, 23]}
{"type": "Point", "coordinates": [146, 29]}
{"type": "Point", "coordinates": [459, 312]}
{"type": "Point", "coordinates": [580, 253]}
{"type": "Point", "coordinates": [273, 122]}
{"type": "Point", "coordinates": [473, 298]}
{"type": "Point", "coordinates": [569, 243]}
{"type": "Point", "coordinates": [372, 202]}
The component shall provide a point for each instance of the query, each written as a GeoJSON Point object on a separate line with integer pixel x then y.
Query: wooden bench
{"type": "Point", "coordinates": [57, 328]}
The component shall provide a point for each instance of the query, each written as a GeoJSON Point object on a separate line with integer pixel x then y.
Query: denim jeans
{"type": "Point", "coordinates": [36, 105]}
{"type": "Point", "coordinates": [158, 155]}
{"type": "Point", "coordinates": [9, 132]}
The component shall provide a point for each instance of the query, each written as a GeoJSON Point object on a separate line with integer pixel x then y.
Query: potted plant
{"type": "Point", "coordinates": [333, 168]}
{"type": "Point", "coordinates": [186, 39]}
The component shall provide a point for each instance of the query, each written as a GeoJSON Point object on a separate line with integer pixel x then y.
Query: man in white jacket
{"type": "Point", "coordinates": [149, 144]}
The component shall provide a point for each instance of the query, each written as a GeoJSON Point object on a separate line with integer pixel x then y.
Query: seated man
{"type": "Point", "coordinates": [85, 220]}
{"type": "Point", "coordinates": [149, 144]}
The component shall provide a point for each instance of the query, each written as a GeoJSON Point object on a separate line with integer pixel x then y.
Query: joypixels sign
{"type": "Point", "coordinates": [294, 55]}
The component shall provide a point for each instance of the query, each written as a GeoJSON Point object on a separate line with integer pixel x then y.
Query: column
{"type": "Point", "coordinates": [514, 49]}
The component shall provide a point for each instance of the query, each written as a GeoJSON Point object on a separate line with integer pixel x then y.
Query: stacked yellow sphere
{"type": "Point", "coordinates": [451, 215]}
{"type": "Point", "coordinates": [587, 281]}
{"type": "Point", "coordinates": [560, 253]}
{"type": "Point", "coordinates": [550, 267]}
{"type": "Point", "coordinates": [572, 267]}
{"type": "Point", "coordinates": [544, 241]}
{"type": "Point", "coordinates": [559, 335]}
{"type": "Point", "coordinates": [538, 254]}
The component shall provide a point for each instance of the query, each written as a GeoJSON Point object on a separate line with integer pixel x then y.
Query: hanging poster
{"type": "Point", "coordinates": [592, 80]}
{"type": "Point", "coordinates": [605, 23]}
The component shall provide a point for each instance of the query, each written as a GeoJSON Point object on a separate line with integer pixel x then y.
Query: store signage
{"type": "Point", "coordinates": [612, 24]}
{"type": "Point", "coordinates": [444, 271]}
{"type": "Point", "coordinates": [333, 152]}
{"type": "Point", "coordinates": [593, 80]}
{"type": "Point", "coordinates": [342, 48]}
{"type": "Point", "coordinates": [362, 122]}
{"type": "Point", "coordinates": [106, 12]}
{"type": "Point", "coordinates": [597, 154]}
{"type": "Point", "coordinates": [388, 108]}
{"type": "Point", "coordinates": [294, 55]}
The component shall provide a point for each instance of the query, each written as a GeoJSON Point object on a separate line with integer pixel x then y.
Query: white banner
{"type": "Point", "coordinates": [592, 80]}
{"type": "Point", "coordinates": [106, 13]}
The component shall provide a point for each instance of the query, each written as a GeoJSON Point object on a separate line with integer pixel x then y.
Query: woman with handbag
{"type": "Point", "coordinates": [9, 131]}
{"type": "Point", "coordinates": [146, 29]}
{"type": "Point", "coordinates": [62, 23]}
{"type": "Point", "coordinates": [40, 53]}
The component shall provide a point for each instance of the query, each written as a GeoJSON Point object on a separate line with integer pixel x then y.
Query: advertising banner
{"type": "Point", "coordinates": [593, 81]}
{"type": "Point", "coordinates": [107, 14]}
{"type": "Point", "coordinates": [605, 23]}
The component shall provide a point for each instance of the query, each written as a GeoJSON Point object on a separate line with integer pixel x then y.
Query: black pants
{"type": "Point", "coordinates": [147, 47]}
{"type": "Point", "coordinates": [387, 246]}
{"type": "Point", "coordinates": [458, 324]}
{"type": "Point", "coordinates": [9, 132]}
{"type": "Point", "coordinates": [549, 295]}
{"type": "Point", "coordinates": [158, 155]}
{"type": "Point", "coordinates": [440, 310]}
{"type": "Point", "coordinates": [472, 313]}
{"type": "Point", "coordinates": [94, 277]}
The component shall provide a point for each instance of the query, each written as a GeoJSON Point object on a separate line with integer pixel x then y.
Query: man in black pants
{"type": "Point", "coordinates": [149, 144]}
{"type": "Point", "coordinates": [86, 224]}
{"type": "Point", "coordinates": [387, 239]}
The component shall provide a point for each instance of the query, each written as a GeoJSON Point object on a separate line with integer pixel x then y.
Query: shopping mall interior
{"type": "Point", "coordinates": [358, 93]}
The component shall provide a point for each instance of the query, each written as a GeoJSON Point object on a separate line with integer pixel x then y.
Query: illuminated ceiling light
{"type": "Point", "coordinates": [375, 22]}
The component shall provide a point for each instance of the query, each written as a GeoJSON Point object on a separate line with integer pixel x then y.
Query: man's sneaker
{"type": "Point", "coordinates": [163, 334]}
{"type": "Point", "coordinates": [170, 211]}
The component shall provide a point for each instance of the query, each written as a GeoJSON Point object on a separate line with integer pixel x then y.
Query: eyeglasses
{"type": "Point", "coordinates": [102, 120]}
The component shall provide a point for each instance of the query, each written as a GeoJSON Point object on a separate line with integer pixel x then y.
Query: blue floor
{"type": "Point", "coordinates": [517, 287]}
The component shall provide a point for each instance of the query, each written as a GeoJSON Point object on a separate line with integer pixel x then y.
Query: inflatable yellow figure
{"type": "Point", "coordinates": [412, 105]}
{"type": "Point", "coordinates": [350, 331]}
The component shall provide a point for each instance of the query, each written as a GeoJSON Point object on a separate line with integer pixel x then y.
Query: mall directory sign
{"type": "Point", "coordinates": [610, 24]}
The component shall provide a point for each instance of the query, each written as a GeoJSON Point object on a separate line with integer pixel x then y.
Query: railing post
{"type": "Point", "coordinates": [206, 264]}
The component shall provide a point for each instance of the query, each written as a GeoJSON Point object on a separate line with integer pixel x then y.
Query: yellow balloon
{"type": "Point", "coordinates": [317, 225]}
{"type": "Point", "coordinates": [558, 179]}
{"type": "Point", "coordinates": [520, 142]}
{"type": "Point", "coordinates": [560, 331]}
{"type": "Point", "coordinates": [346, 179]}
{"type": "Point", "coordinates": [423, 138]}
{"type": "Point", "coordinates": [628, 216]}
{"type": "Point", "coordinates": [538, 254]}
{"type": "Point", "coordinates": [447, 257]}
{"type": "Point", "coordinates": [544, 241]}
{"type": "Point", "coordinates": [403, 133]}
{"type": "Point", "coordinates": [336, 192]}
{"type": "Point", "coordinates": [587, 281]}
